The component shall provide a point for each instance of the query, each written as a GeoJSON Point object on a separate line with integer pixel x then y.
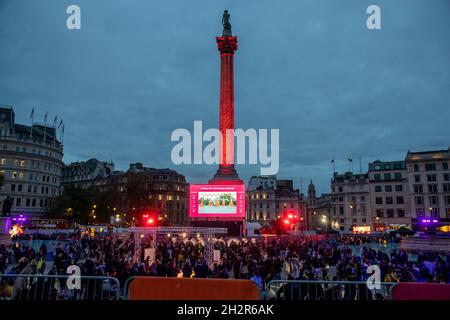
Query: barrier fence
{"type": "Point", "coordinates": [326, 290]}
{"type": "Point", "coordinates": [34, 287]}
{"type": "Point", "coordinates": [55, 287]}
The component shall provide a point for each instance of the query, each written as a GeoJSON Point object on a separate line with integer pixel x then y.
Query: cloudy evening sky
{"type": "Point", "coordinates": [139, 69]}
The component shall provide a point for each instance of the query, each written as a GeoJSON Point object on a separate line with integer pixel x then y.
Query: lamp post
{"type": "Point", "coordinates": [324, 221]}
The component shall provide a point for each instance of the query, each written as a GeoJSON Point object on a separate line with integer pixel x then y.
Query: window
{"type": "Point", "coordinates": [398, 187]}
{"type": "Point", "coordinates": [446, 187]}
{"type": "Point", "coordinates": [379, 200]}
{"type": "Point", "coordinates": [434, 200]}
{"type": "Point", "coordinates": [18, 202]}
{"type": "Point", "coordinates": [380, 213]}
{"type": "Point", "coordinates": [431, 178]}
{"type": "Point", "coordinates": [14, 175]}
{"type": "Point", "coordinates": [401, 213]}
{"type": "Point", "coordinates": [2, 162]}
{"type": "Point", "coordinates": [430, 166]}
{"type": "Point", "coordinates": [398, 175]}
{"type": "Point", "coordinates": [28, 203]}
{"type": "Point", "coordinates": [389, 200]}
{"type": "Point", "coordinates": [388, 188]}
{"type": "Point", "coordinates": [387, 176]}
{"type": "Point", "coordinates": [19, 188]}
{"type": "Point", "coordinates": [445, 165]}
{"type": "Point", "coordinates": [377, 176]}
{"type": "Point", "coordinates": [446, 177]}
{"type": "Point", "coordinates": [420, 212]}
{"type": "Point", "coordinates": [378, 189]}
{"type": "Point", "coordinates": [13, 187]}
{"type": "Point", "coordinates": [33, 203]}
{"type": "Point", "coordinates": [416, 168]}
{"type": "Point", "coordinates": [418, 200]}
{"type": "Point", "coordinates": [390, 213]}
{"type": "Point", "coordinates": [400, 200]}
{"type": "Point", "coordinates": [418, 188]}
{"type": "Point", "coordinates": [417, 178]}
{"type": "Point", "coordinates": [432, 188]}
{"type": "Point", "coordinates": [341, 211]}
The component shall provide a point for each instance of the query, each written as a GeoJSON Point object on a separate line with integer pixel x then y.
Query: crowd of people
{"type": "Point", "coordinates": [259, 260]}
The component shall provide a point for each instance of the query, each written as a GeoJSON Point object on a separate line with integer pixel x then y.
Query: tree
{"type": "Point", "coordinates": [73, 204]}
{"type": "Point", "coordinates": [137, 191]}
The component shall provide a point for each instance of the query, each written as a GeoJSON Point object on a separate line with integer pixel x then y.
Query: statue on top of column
{"type": "Point", "coordinates": [226, 24]}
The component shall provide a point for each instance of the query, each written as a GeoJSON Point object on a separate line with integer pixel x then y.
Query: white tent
{"type": "Point", "coordinates": [251, 227]}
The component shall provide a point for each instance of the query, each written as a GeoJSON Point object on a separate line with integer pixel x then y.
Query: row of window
{"type": "Point", "coordinates": [434, 212]}
{"type": "Point", "coordinates": [32, 189]}
{"type": "Point", "coordinates": [389, 166]}
{"type": "Point", "coordinates": [29, 202]}
{"type": "Point", "coordinates": [390, 200]}
{"type": "Point", "coordinates": [433, 200]}
{"type": "Point", "coordinates": [390, 213]}
{"type": "Point", "coordinates": [430, 166]}
{"type": "Point", "coordinates": [29, 150]}
{"type": "Point", "coordinates": [20, 175]}
{"type": "Point", "coordinates": [277, 205]}
{"type": "Point", "coordinates": [388, 188]}
{"type": "Point", "coordinates": [387, 176]}
{"type": "Point", "coordinates": [341, 199]}
{"type": "Point", "coordinates": [432, 177]}
{"type": "Point", "coordinates": [432, 188]}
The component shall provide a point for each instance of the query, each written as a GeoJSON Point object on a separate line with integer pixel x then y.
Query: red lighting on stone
{"type": "Point", "coordinates": [227, 46]}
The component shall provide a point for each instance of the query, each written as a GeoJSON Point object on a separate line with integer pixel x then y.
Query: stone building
{"type": "Point", "coordinates": [30, 164]}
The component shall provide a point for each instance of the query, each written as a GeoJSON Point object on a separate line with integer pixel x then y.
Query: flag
{"type": "Point", "coordinates": [54, 120]}
{"type": "Point", "coordinates": [350, 160]}
{"type": "Point", "coordinates": [332, 160]}
{"type": "Point", "coordinates": [62, 130]}
{"type": "Point", "coordinates": [32, 114]}
{"type": "Point", "coordinates": [60, 123]}
{"type": "Point", "coordinates": [45, 117]}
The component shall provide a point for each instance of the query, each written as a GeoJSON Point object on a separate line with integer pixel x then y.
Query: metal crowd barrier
{"type": "Point", "coordinates": [326, 290]}
{"type": "Point", "coordinates": [34, 287]}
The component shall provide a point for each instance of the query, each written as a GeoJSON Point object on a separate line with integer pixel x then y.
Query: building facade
{"type": "Point", "coordinates": [268, 199]}
{"type": "Point", "coordinates": [389, 195]}
{"type": "Point", "coordinates": [351, 202]}
{"type": "Point", "coordinates": [83, 174]}
{"type": "Point", "coordinates": [30, 165]}
{"type": "Point", "coordinates": [429, 185]}
{"type": "Point", "coordinates": [166, 191]}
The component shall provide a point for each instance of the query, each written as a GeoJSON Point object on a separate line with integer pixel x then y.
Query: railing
{"type": "Point", "coordinates": [34, 287]}
{"type": "Point", "coordinates": [326, 290]}
{"type": "Point", "coordinates": [55, 287]}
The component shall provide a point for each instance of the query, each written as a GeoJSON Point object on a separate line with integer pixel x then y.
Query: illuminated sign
{"type": "Point", "coordinates": [361, 229]}
{"type": "Point", "coordinates": [223, 201]}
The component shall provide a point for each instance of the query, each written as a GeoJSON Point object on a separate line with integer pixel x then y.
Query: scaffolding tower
{"type": "Point", "coordinates": [209, 235]}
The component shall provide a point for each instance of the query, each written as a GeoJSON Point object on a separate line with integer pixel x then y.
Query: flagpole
{"type": "Point", "coordinates": [32, 120]}
{"type": "Point", "coordinates": [45, 126]}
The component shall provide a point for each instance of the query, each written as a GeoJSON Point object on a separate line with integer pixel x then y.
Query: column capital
{"type": "Point", "coordinates": [227, 44]}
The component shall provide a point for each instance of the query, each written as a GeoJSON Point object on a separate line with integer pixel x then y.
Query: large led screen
{"type": "Point", "coordinates": [222, 201]}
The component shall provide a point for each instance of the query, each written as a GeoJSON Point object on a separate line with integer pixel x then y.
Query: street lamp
{"type": "Point", "coordinates": [324, 221]}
